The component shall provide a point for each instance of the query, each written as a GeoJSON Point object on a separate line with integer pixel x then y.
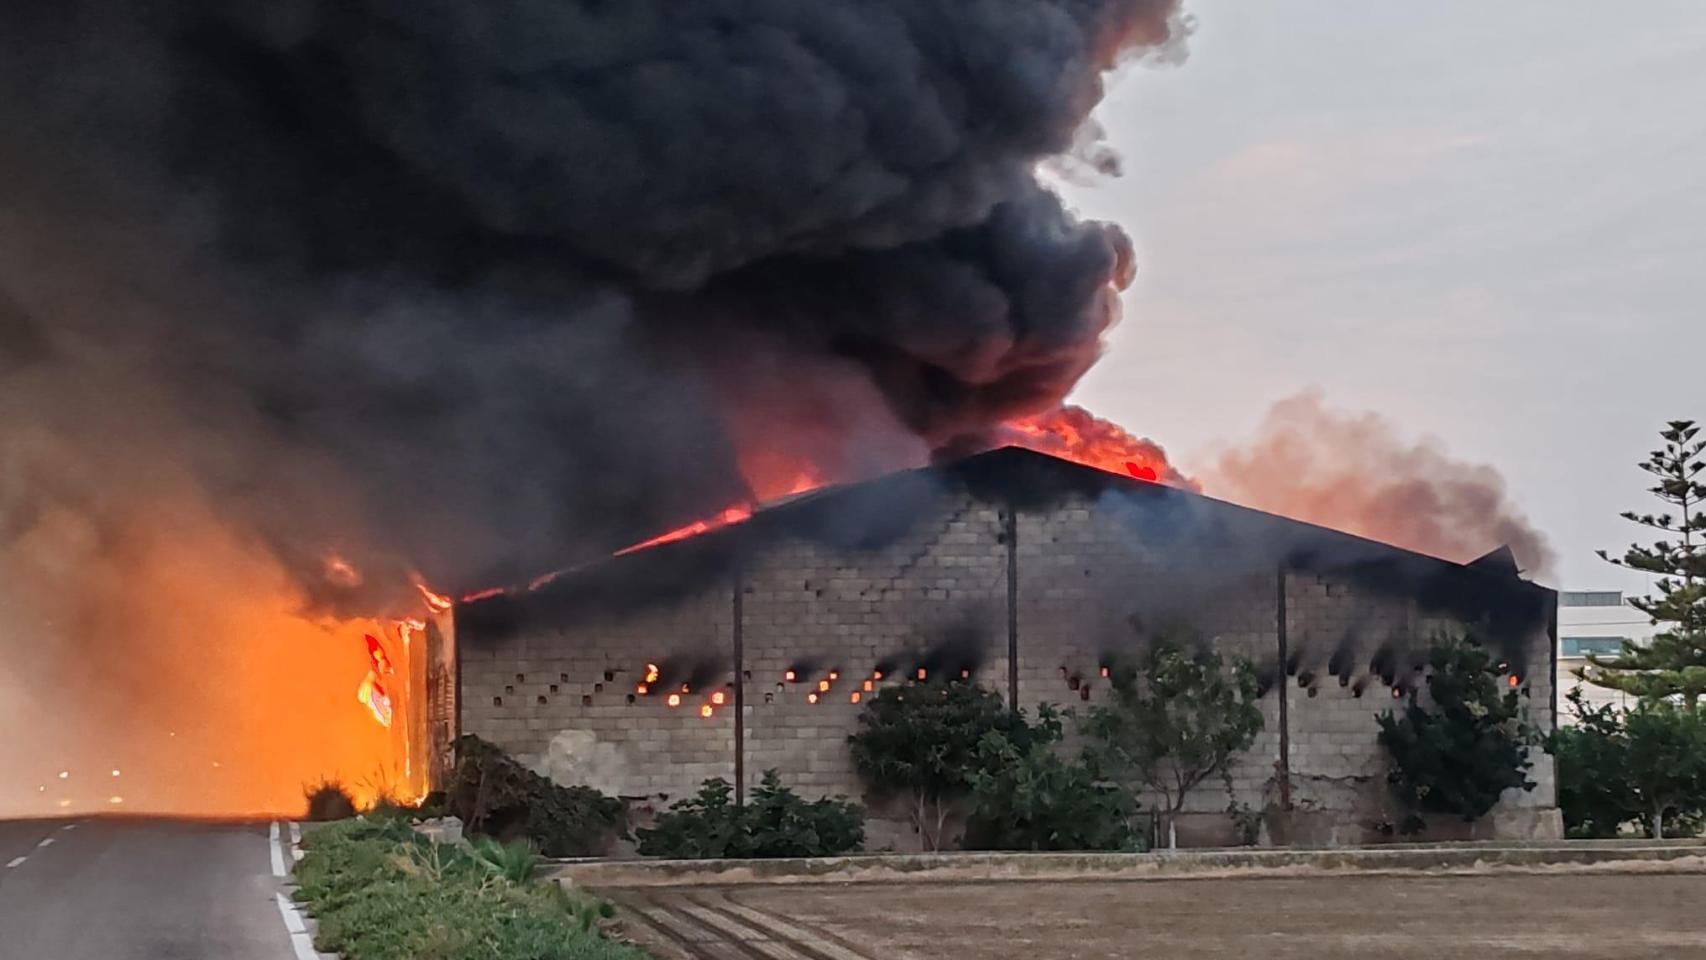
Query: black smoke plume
{"type": "Point", "coordinates": [470, 287]}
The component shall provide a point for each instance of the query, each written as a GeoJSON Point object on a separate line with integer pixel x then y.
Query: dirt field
{"type": "Point", "coordinates": [1580, 915]}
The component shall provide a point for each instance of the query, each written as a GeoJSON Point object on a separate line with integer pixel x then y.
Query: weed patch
{"type": "Point", "coordinates": [380, 892]}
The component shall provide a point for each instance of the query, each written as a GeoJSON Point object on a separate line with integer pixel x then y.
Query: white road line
{"type": "Point", "coordinates": [16, 862]}
{"type": "Point", "coordinates": [295, 841]}
{"type": "Point", "coordinates": [300, 941]}
{"type": "Point", "coordinates": [69, 827]}
{"type": "Point", "coordinates": [45, 841]}
{"type": "Point", "coordinates": [275, 850]}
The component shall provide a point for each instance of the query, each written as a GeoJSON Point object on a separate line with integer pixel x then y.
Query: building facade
{"type": "Point", "coordinates": [752, 647]}
{"type": "Point", "coordinates": [1595, 623]}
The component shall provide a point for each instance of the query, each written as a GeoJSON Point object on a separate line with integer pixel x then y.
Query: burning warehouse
{"type": "Point", "coordinates": [750, 646]}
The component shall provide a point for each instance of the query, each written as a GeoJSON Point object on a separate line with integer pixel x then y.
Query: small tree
{"type": "Point", "coordinates": [1674, 663]}
{"type": "Point", "coordinates": [1175, 720]}
{"type": "Point", "coordinates": [1032, 798]}
{"type": "Point", "coordinates": [920, 740]}
{"type": "Point", "coordinates": [1469, 747]}
{"type": "Point", "coordinates": [1666, 766]}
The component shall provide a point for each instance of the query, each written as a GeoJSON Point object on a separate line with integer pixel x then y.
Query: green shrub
{"type": "Point", "coordinates": [494, 795]}
{"type": "Point", "coordinates": [328, 800]}
{"type": "Point", "coordinates": [1028, 797]}
{"type": "Point", "coordinates": [1173, 719]}
{"type": "Point", "coordinates": [775, 822]}
{"type": "Point", "coordinates": [380, 892]}
{"type": "Point", "coordinates": [1593, 782]}
{"type": "Point", "coordinates": [515, 862]}
{"type": "Point", "coordinates": [1458, 756]}
{"type": "Point", "coordinates": [921, 740]}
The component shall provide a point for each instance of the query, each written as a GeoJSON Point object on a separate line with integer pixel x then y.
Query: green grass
{"type": "Point", "coordinates": [380, 892]}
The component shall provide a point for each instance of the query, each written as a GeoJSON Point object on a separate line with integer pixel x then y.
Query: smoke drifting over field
{"type": "Point", "coordinates": [1358, 474]}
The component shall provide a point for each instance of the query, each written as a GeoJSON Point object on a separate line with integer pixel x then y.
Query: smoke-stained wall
{"type": "Point", "coordinates": [1096, 571]}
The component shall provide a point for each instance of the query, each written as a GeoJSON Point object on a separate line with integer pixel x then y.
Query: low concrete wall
{"type": "Point", "coordinates": [1674, 856]}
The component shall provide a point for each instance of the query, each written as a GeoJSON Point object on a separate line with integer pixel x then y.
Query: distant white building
{"type": "Point", "coordinates": [1594, 622]}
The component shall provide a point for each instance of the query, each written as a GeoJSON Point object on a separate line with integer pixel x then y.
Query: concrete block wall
{"type": "Point", "coordinates": [816, 609]}
{"type": "Point", "coordinates": [521, 691]}
{"type": "Point", "coordinates": [1091, 589]}
{"type": "Point", "coordinates": [1341, 636]}
{"type": "Point", "coordinates": [1094, 591]}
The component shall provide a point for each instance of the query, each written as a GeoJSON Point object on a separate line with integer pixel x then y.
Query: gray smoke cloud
{"type": "Point", "coordinates": [468, 287]}
{"type": "Point", "coordinates": [1357, 472]}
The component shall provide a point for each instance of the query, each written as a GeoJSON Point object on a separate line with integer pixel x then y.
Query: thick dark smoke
{"type": "Point", "coordinates": [470, 285]}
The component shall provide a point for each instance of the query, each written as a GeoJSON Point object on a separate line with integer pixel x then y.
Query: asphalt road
{"type": "Point", "coordinates": [108, 889]}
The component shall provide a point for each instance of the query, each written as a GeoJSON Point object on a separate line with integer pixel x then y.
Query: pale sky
{"type": "Point", "coordinates": [1485, 220]}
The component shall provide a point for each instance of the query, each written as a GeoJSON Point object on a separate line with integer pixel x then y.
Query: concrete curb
{"type": "Point", "coordinates": [1681, 857]}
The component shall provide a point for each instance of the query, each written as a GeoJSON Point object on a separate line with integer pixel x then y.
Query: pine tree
{"type": "Point", "coordinates": [1674, 663]}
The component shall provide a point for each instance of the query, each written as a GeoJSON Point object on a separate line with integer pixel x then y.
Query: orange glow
{"type": "Point", "coordinates": [923, 673]}
{"type": "Point", "coordinates": [652, 673]}
{"type": "Point", "coordinates": [675, 699]}
{"type": "Point", "coordinates": [483, 594]}
{"type": "Point", "coordinates": [855, 697]}
{"type": "Point", "coordinates": [1106, 673]}
{"type": "Point", "coordinates": [835, 674]}
{"type": "Point", "coordinates": [732, 515]}
{"type": "Point", "coordinates": [823, 686]}
{"type": "Point", "coordinates": [199, 671]}
{"type": "Point", "coordinates": [341, 573]}
{"type": "Point", "coordinates": [1073, 433]}
{"type": "Point", "coordinates": [719, 698]}
{"type": "Point", "coordinates": [436, 602]}
{"type": "Point", "coordinates": [869, 686]}
{"type": "Point", "coordinates": [641, 689]}
{"type": "Point", "coordinates": [706, 711]}
{"type": "Point", "coordinates": [811, 698]}
{"type": "Point", "coordinates": [876, 675]}
{"type": "Point", "coordinates": [790, 676]}
{"type": "Point", "coordinates": [1515, 680]}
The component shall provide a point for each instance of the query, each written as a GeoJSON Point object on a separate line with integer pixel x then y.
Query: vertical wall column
{"type": "Point", "coordinates": [1281, 616]}
{"type": "Point", "coordinates": [739, 633]}
{"type": "Point", "coordinates": [1010, 533]}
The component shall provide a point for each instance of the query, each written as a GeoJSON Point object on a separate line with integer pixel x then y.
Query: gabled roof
{"type": "Point", "coordinates": [857, 516]}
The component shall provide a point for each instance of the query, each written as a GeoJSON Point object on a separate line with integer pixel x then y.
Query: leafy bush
{"type": "Point", "coordinates": [1174, 719]}
{"type": "Point", "coordinates": [1472, 745]}
{"type": "Point", "coordinates": [328, 800]}
{"type": "Point", "coordinates": [496, 796]}
{"type": "Point", "coordinates": [380, 892]}
{"type": "Point", "coordinates": [922, 741]}
{"type": "Point", "coordinates": [1646, 765]}
{"type": "Point", "coordinates": [1025, 796]}
{"type": "Point", "coordinates": [1593, 789]}
{"type": "Point", "coordinates": [775, 822]}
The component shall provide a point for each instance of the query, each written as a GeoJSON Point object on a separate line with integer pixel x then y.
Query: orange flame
{"type": "Point", "coordinates": [1073, 433]}
{"type": "Point", "coordinates": [436, 602]}
{"type": "Point", "coordinates": [732, 515]}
